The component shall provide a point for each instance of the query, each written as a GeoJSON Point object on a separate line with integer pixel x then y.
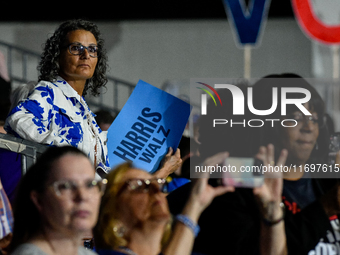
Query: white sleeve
{"type": "Point", "coordinates": [32, 118]}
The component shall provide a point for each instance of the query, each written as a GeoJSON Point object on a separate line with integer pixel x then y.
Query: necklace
{"type": "Point", "coordinates": [95, 132]}
{"type": "Point", "coordinates": [127, 250]}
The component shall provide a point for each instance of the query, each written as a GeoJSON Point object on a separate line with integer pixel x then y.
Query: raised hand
{"type": "Point", "coordinates": [202, 193]}
{"type": "Point", "coordinates": [270, 193]}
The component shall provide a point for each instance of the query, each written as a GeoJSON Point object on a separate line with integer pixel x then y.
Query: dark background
{"type": "Point", "coordinates": [97, 10]}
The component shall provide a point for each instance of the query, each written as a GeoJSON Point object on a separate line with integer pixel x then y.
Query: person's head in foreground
{"type": "Point", "coordinates": [134, 216]}
{"type": "Point", "coordinates": [57, 202]}
{"type": "Point", "coordinates": [75, 52]}
{"type": "Point", "coordinates": [133, 205]}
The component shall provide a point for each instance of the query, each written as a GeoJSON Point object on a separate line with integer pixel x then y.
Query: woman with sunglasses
{"type": "Point", "coordinates": [57, 204]}
{"type": "Point", "coordinates": [72, 64]}
{"type": "Point", "coordinates": [134, 216]}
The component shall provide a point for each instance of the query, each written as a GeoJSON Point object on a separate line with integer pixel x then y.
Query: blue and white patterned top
{"type": "Point", "coordinates": [55, 114]}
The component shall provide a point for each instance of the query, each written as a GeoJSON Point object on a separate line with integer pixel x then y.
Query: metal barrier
{"type": "Point", "coordinates": [29, 150]}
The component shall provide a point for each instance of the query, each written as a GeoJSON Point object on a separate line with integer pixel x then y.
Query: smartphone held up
{"type": "Point", "coordinates": [240, 172]}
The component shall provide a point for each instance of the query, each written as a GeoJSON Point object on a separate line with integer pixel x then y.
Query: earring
{"type": "Point", "coordinates": [118, 229]}
{"type": "Point", "coordinates": [316, 146]}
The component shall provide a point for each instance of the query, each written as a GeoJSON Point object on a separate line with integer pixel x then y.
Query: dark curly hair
{"type": "Point", "coordinates": [49, 63]}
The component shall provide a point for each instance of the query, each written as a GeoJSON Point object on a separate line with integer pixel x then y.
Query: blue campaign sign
{"type": "Point", "coordinates": [247, 23]}
{"type": "Point", "coordinates": [150, 122]}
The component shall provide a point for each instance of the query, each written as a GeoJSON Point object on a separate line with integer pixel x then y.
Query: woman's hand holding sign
{"type": "Point", "coordinates": [170, 164]}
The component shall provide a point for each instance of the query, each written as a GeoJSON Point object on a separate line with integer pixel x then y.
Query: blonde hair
{"type": "Point", "coordinates": [104, 235]}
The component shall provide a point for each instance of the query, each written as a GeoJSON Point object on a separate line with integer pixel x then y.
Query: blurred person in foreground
{"type": "Point", "coordinates": [57, 204]}
{"type": "Point", "coordinates": [73, 63]}
{"type": "Point", "coordinates": [134, 216]}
